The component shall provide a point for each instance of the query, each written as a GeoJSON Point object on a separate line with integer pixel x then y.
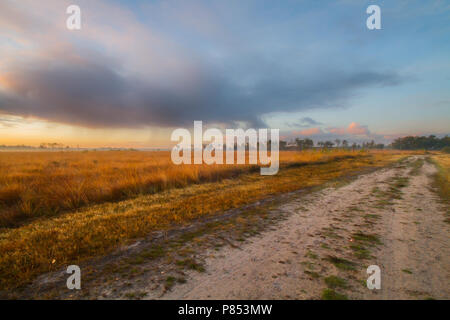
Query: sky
{"type": "Point", "coordinates": [137, 70]}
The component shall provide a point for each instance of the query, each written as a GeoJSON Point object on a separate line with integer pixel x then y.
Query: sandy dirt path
{"type": "Point", "coordinates": [388, 218]}
{"type": "Point", "coordinates": [416, 254]}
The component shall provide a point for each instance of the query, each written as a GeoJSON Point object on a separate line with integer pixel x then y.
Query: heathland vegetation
{"type": "Point", "coordinates": [44, 184]}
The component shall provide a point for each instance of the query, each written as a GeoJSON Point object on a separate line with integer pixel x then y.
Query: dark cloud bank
{"type": "Point", "coordinates": [93, 94]}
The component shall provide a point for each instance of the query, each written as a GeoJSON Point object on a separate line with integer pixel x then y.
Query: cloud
{"type": "Point", "coordinates": [303, 122]}
{"type": "Point", "coordinates": [120, 72]}
{"type": "Point", "coordinates": [352, 129]}
{"type": "Point", "coordinates": [308, 132]}
{"type": "Point", "coordinates": [8, 123]}
{"type": "Point", "coordinates": [94, 94]}
{"type": "Point", "coordinates": [354, 132]}
{"type": "Point", "coordinates": [357, 129]}
{"type": "Point", "coordinates": [340, 131]}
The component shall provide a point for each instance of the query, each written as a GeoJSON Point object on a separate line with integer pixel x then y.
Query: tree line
{"type": "Point", "coordinates": [302, 144]}
{"type": "Point", "coordinates": [428, 143]}
{"type": "Point", "coordinates": [406, 143]}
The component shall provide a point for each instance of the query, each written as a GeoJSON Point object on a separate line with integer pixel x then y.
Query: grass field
{"type": "Point", "coordinates": [442, 180]}
{"type": "Point", "coordinates": [35, 184]}
{"type": "Point", "coordinates": [63, 208]}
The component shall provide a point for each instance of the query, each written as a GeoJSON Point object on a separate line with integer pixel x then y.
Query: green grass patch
{"type": "Point", "coordinates": [170, 281]}
{"type": "Point", "coordinates": [341, 263]}
{"type": "Point", "coordinates": [313, 274]}
{"type": "Point", "coordinates": [334, 282]}
{"type": "Point", "coordinates": [135, 295]}
{"type": "Point", "coordinates": [407, 271]}
{"type": "Point", "coordinates": [324, 245]}
{"type": "Point", "coordinates": [360, 252]}
{"type": "Point", "coordinates": [366, 238]}
{"type": "Point", "coordinates": [190, 264]}
{"type": "Point", "coordinates": [311, 255]}
{"type": "Point", "coordinates": [330, 294]}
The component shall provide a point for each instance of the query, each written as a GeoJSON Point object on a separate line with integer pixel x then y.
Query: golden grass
{"type": "Point", "coordinates": [45, 183]}
{"type": "Point", "coordinates": [47, 243]}
{"type": "Point", "coordinates": [442, 178]}
{"type": "Point", "coordinates": [34, 184]}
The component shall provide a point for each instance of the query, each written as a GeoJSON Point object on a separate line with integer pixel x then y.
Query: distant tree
{"type": "Point", "coordinates": [345, 143]}
{"type": "Point", "coordinates": [328, 144]}
{"type": "Point", "coordinates": [309, 143]}
{"type": "Point", "coordinates": [338, 142]}
{"type": "Point", "coordinates": [51, 145]}
{"type": "Point", "coordinates": [299, 143]}
{"type": "Point", "coordinates": [304, 143]}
